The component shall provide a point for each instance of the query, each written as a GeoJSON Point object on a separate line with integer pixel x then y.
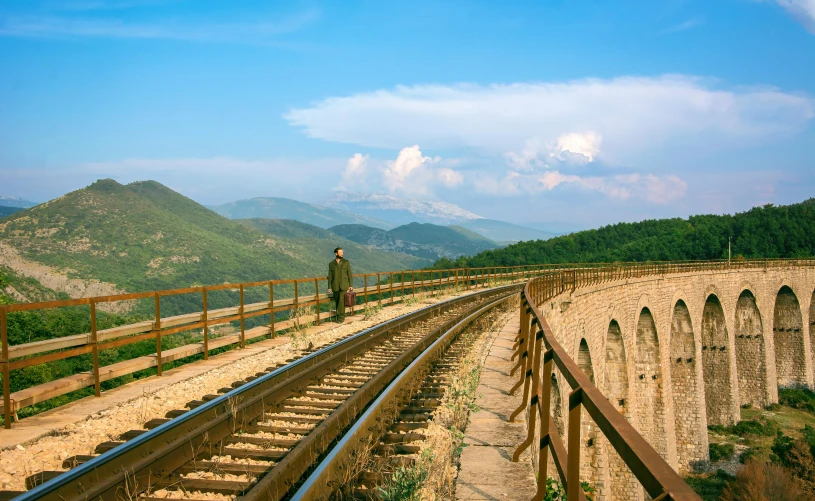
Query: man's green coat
{"type": "Point", "coordinates": [339, 275]}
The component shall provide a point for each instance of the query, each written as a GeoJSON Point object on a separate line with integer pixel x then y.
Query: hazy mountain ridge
{"type": "Point", "coordinates": [503, 232]}
{"type": "Point", "coordinates": [400, 210]}
{"type": "Point", "coordinates": [419, 239]}
{"type": "Point", "coordinates": [7, 201]}
{"type": "Point", "coordinates": [286, 208]}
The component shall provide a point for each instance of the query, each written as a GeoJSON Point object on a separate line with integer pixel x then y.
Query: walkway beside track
{"type": "Point", "coordinates": [49, 422]}
{"type": "Point", "coordinates": [486, 470]}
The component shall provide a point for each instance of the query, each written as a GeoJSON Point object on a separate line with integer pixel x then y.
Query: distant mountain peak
{"type": "Point", "coordinates": [401, 210]}
{"type": "Point", "coordinates": [9, 201]}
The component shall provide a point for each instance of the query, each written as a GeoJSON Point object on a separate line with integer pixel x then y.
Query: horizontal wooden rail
{"type": "Point", "coordinates": [14, 357]}
{"type": "Point", "coordinates": [538, 352]}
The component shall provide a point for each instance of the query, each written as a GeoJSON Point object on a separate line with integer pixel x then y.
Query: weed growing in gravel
{"type": "Point", "coordinates": [371, 310]}
{"type": "Point", "coordinates": [404, 485]}
{"type": "Point", "coordinates": [302, 321]}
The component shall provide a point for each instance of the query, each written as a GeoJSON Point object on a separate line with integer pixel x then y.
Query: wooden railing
{"type": "Point", "coordinates": [537, 352]}
{"type": "Point", "coordinates": [388, 287]}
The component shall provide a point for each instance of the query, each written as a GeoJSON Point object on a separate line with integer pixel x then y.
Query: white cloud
{"type": "Point", "coordinates": [583, 145]}
{"type": "Point", "coordinates": [630, 114]}
{"type": "Point", "coordinates": [802, 10]}
{"type": "Point", "coordinates": [353, 177]}
{"type": "Point", "coordinates": [528, 158]}
{"type": "Point", "coordinates": [649, 187]}
{"type": "Point", "coordinates": [413, 173]}
{"type": "Point", "coordinates": [249, 31]}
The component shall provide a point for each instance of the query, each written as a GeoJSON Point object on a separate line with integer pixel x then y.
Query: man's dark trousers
{"type": "Point", "coordinates": [339, 305]}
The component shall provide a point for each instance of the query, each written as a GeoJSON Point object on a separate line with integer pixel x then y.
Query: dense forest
{"type": "Point", "coordinates": [769, 231]}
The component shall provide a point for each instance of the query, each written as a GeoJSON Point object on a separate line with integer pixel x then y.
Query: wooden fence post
{"type": "Point", "coordinates": [6, 372]}
{"type": "Point", "coordinates": [317, 300]}
{"type": "Point", "coordinates": [243, 321]}
{"type": "Point", "coordinates": [573, 469]}
{"type": "Point", "coordinates": [271, 309]}
{"type": "Point", "coordinates": [157, 327]}
{"type": "Point", "coordinates": [206, 326]}
{"type": "Point", "coordinates": [97, 390]}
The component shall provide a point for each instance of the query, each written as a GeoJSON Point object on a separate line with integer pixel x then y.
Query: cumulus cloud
{"type": "Point", "coordinates": [577, 145]}
{"type": "Point", "coordinates": [413, 173]}
{"type": "Point", "coordinates": [629, 114]}
{"type": "Point", "coordinates": [353, 177]}
{"type": "Point", "coordinates": [802, 10]}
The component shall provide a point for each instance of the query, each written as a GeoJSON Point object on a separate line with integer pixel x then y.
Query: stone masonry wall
{"type": "Point", "coordinates": [688, 418]}
{"type": "Point", "coordinates": [789, 340]}
{"type": "Point", "coordinates": [672, 409]}
{"type": "Point", "coordinates": [750, 352]}
{"type": "Point", "coordinates": [715, 364]}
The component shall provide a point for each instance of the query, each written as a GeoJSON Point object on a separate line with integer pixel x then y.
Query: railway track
{"type": "Point", "coordinates": [258, 438]}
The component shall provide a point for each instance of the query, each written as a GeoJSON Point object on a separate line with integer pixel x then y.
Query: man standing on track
{"type": "Point", "coordinates": [339, 281]}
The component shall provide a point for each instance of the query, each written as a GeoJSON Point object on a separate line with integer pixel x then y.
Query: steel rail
{"type": "Point", "coordinates": [322, 482]}
{"type": "Point", "coordinates": [175, 442]}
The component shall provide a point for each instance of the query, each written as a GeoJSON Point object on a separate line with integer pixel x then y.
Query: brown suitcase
{"type": "Point", "coordinates": [350, 300]}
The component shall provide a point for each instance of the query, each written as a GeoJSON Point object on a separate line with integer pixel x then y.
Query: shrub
{"type": "Point", "coordinates": [761, 427]}
{"type": "Point", "coordinates": [719, 452]}
{"type": "Point", "coordinates": [798, 398]}
{"type": "Point", "coordinates": [763, 481]}
{"type": "Point", "coordinates": [795, 455]}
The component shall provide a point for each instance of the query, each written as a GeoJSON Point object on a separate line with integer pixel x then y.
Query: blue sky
{"type": "Point", "coordinates": [589, 112]}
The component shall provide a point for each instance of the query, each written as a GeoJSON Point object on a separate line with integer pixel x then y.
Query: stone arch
{"type": "Point", "coordinates": [592, 467]}
{"type": "Point", "coordinates": [690, 444]}
{"type": "Point", "coordinates": [716, 364]}
{"type": "Point", "coordinates": [650, 414]}
{"type": "Point", "coordinates": [788, 334]}
{"type": "Point", "coordinates": [751, 366]}
{"type": "Point", "coordinates": [621, 481]}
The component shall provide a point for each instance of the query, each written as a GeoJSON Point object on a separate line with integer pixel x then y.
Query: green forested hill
{"type": "Point", "coordinates": [768, 231]}
{"type": "Point", "coordinates": [320, 244]}
{"type": "Point", "coordinates": [6, 211]}
{"type": "Point", "coordinates": [144, 236]}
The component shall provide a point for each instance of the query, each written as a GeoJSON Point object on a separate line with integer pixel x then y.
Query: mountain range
{"type": "Point", "coordinates": [419, 239]}
{"type": "Point", "coordinates": [285, 208]}
{"type": "Point", "coordinates": [378, 211]}
{"type": "Point", "coordinates": [111, 237]}
{"type": "Point", "coordinates": [400, 210]}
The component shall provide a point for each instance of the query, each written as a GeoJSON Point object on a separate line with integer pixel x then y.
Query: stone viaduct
{"type": "Point", "coordinates": [676, 353]}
